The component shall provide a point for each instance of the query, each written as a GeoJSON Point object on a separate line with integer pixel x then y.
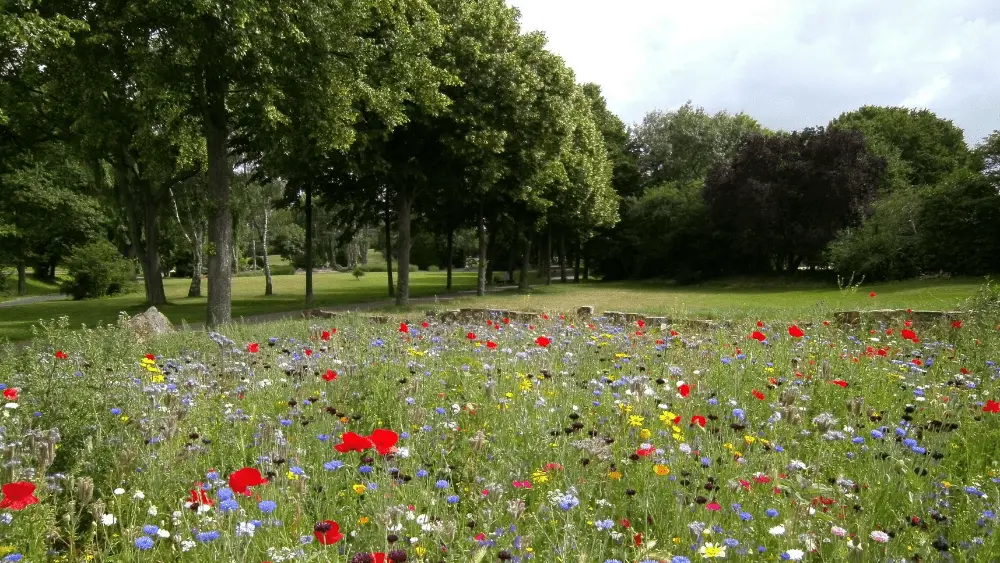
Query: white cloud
{"type": "Point", "coordinates": [789, 63]}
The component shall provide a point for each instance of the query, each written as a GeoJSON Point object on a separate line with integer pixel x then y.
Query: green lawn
{"type": "Point", "coordinates": [732, 299]}
{"type": "Point", "coordinates": [35, 287]}
{"type": "Point", "coordinates": [248, 299]}
{"type": "Point", "coordinates": [729, 299]}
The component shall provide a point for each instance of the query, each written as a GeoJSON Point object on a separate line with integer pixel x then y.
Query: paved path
{"type": "Point", "coordinates": [366, 306]}
{"type": "Point", "coordinates": [33, 299]}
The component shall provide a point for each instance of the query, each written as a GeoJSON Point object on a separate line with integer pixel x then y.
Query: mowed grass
{"type": "Point", "coordinates": [34, 286]}
{"type": "Point", "coordinates": [330, 289]}
{"type": "Point", "coordinates": [774, 299]}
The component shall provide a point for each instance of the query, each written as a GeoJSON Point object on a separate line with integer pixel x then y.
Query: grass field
{"type": "Point", "coordinates": [35, 287]}
{"type": "Point", "coordinates": [733, 299]}
{"type": "Point", "coordinates": [482, 442]}
{"type": "Point", "coordinates": [248, 299]}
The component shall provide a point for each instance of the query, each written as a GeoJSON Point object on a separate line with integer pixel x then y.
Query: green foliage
{"type": "Point", "coordinates": [98, 269]}
{"type": "Point", "coordinates": [960, 225]}
{"type": "Point", "coordinates": [357, 272]}
{"type": "Point", "coordinates": [921, 148]}
{"type": "Point", "coordinates": [886, 245]}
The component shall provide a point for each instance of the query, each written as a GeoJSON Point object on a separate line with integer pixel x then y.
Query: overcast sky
{"type": "Point", "coordinates": [789, 63]}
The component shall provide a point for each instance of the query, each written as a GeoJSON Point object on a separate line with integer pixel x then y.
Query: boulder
{"type": "Point", "coordinates": [150, 324]}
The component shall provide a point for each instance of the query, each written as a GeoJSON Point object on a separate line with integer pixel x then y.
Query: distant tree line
{"type": "Point", "coordinates": [193, 137]}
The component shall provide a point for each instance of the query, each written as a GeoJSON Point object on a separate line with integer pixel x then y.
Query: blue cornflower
{"type": "Point", "coordinates": [13, 557]}
{"type": "Point", "coordinates": [441, 484]}
{"type": "Point", "coordinates": [706, 461]}
{"type": "Point", "coordinates": [323, 437]}
{"type": "Point", "coordinates": [440, 410]}
{"type": "Point", "coordinates": [286, 422]}
{"type": "Point", "coordinates": [404, 435]}
{"type": "Point", "coordinates": [212, 475]}
{"type": "Point", "coordinates": [877, 434]}
{"type": "Point", "coordinates": [731, 542]}
{"type": "Point", "coordinates": [909, 442]}
{"type": "Point", "coordinates": [746, 516]}
{"type": "Point", "coordinates": [150, 530]}
{"type": "Point", "coordinates": [297, 470]}
{"type": "Point", "coordinates": [333, 465]}
{"type": "Point", "coordinates": [679, 559]}
{"type": "Point", "coordinates": [225, 493]}
{"type": "Point", "coordinates": [205, 537]}
{"type": "Point", "coordinates": [116, 411]}
{"type": "Point", "coordinates": [267, 506]}
{"type": "Point", "coordinates": [771, 513]}
{"type": "Point", "coordinates": [229, 505]}
{"type": "Point", "coordinates": [422, 473]}
{"type": "Point", "coordinates": [365, 469]}
{"type": "Point", "coordinates": [142, 542]}
{"type": "Point", "coordinates": [605, 524]}
{"type": "Point", "coordinates": [453, 499]}
{"type": "Point", "coordinates": [739, 414]}
{"type": "Point", "coordinates": [858, 440]}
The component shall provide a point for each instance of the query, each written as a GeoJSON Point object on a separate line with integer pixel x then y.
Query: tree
{"type": "Point", "coordinates": [784, 198]}
{"type": "Point", "coordinates": [921, 148]}
{"type": "Point", "coordinates": [684, 144]}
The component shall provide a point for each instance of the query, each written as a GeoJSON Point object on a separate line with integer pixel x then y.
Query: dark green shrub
{"type": "Point", "coordinates": [98, 269]}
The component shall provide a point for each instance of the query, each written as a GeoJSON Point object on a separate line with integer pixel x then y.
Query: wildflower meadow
{"type": "Point", "coordinates": [560, 439]}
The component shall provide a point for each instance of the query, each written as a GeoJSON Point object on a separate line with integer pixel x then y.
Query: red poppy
{"type": "Point", "coordinates": [403, 327]}
{"type": "Point", "coordinates": [908, 334]}
{"type": "Point", "coordinates": [826, 323]}
{"type": "Point", "coordinates": [19, 495]}
{"type": "Point", "coordinates": [491, 345]}
{"type": "Point", "coordinates": [637, 540]}
{"type": "Point", "coordinates": [758, 336]}
{"type": "Point", "coordinates": [378, 557]}
{"type": "Point", "coordinates": [330, 375]}
{"type": "Point", "coordinates": [964, 371]}
{"type": "Point", "coordinates": [199, 496]}
{"type": "Point", "coordinates": [384, 440]}
{"type": "Point", "coordinates": [760, 324]}
{"type": "Point", "coordinates": [641, 323]}
{"type": "Point", "coordinates": [334, 330]}
{"type": "Point", "coordinates": [545, 316]}
{"type": "Point", "coordinates": [795, 332]}
{"type": "Point", "coordinates": [309, 352]}
{"type": "Point", "coordinates": [506, 321]}
{"type": "Point", "coordinates": [241, 480]}
{"type": "Point", "coordinates": [425, 324]}
{"type": "Point", "coordinates": [673, 332]}
{"type": "Point", "coordinates": [61, 355]}
{"type": "Point", "coordinates": [758, 395]}
{"type": "Point", "coordinates": [471, 336]}
{"type": "Point", "coordinates": [638, 333]}
{"type": "Point", "coordinates": [840, 382]}
{"type": "Point", "coordinates": [991, 406]}
{"type": "Point", "coordinates": [327, 532]}
{"type": "Point", "coordinates": [645, 452]}
{"type": "Point", "coordinates": [150, 357]}
{"type": "Point", "coordinates": [531, 327]}
{"type": "Point", "coordinates": [956, 324]}
{"type": "Point", "coordinates": [353, 442]}
{"type": "Point", "coordinates": [542, 341]}
{"type": "Point", "coordinates": [684, 389]}
{"type": "Point", "coordinates": [325, 335]}
{"type": "Point", "coordinates": [917, 362]}
{"type": "Point", "coordinates": [699, 420]}
{"type": "Point", "coordinates": [10, 394]}
{"type": "Point", "coordinates": [872, 294]}
{"type": "Point", "coordinates": [659, 341]}
{"type": "Point", "coordinates": [253, 347]}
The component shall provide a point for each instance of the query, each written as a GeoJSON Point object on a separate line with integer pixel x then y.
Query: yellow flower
{"type": "Point", "coordinates": [615, 475]}
{"type": "Point", "coordinates": [661, 470]}
{"type": "Point", "coordinates": [509, 395]}
{"type": "Point", "coordinates": [644, 434]}
{"type": "Point", "coordinates": [749, 439]}
{"type": "Point", "coordinates": [946, 484]}
{"type": "Point", "coordinates": [421, 551]}
{"type": "Point", "coordinates": [620, 356]}
{"type": "Point", "coordinates": [636, 420]}
{"type": "Point", "coordinates": [124, 418]}
{"type": "Point", "coordinates": [363, 520]}
{"type": "Point", "coordinates": [359, 489]}
{"type": "Point", "coordinates": [539, 477]}
{"type": "Point", "coordinates": [291, 476]}
{"type": "Point", "coordinates": [525, 385]}
{"type": "Point", "coordinates": [769, 370]}
{"type": "Point", "coordinates": [678, 436]}
{"type": "Point", "coordinates": [667, 417]}
{"type": "Point", "coordinates": [710, 550]}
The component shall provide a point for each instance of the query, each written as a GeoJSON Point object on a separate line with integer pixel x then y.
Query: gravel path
{"type": "Point", "coordinates": [33, 299]}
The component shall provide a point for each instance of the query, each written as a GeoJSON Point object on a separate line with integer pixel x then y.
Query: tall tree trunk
{"type": "Point", "coordinates": [253, 254]}
{"type": "Point", "coordinates": [363, 247]}
{"type": "Point", "coordinates": [522, 283]}
{"type": "Point", "coordinates": [220, 223]}
{"type": "Point", "coordinates": [333, 251]}
{"type": "Point", "coordinates": [22, 278]}
{"type": "Point", "coordinates": [586, 262]}
{"type": "Point", "coordinates": [388, 244]}
{"type": "Point", "coordinates": [194, 290]}
{"type": "Point", "coordinates": [576, 265]}
{"type": "Point", "coordinates": [481, 270]}
{"type": "Point", "coordinates": [236, 258]}
{"type": "Point", "coordinates": [403, 206]}
{"type": "Point", "coordinates": [562, 257]}
{"type": "Point", "coordinates": [491, 255]}
{"type": "Point", "coordinates": [268, 286]}
{"type": "Point", "coordinates": [155, 295]}
{"type": "Point", "coordinates": [451, 257]}
{"type": "Point", "coordinates": [548, 257]}
{"type": "Point", "coordinates": [309, 247]}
